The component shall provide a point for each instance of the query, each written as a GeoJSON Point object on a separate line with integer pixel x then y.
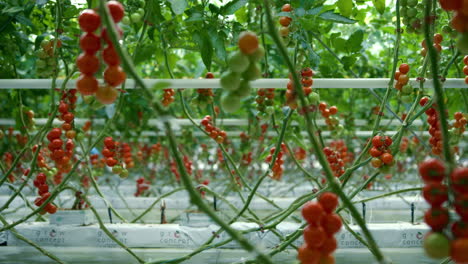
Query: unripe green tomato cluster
{"type": "Point", "coordinates": [136, 10]}
{"type": "Point", "coordinates": [405, 93]}
{"type": "Point", "coordinates": [45, 64]}
{"type": "Point", "coordinates": [49, 173]}
{"type": "Point", "coordinates": [235, 82]}
{"type": "Point", "coordinates": [411, 13]}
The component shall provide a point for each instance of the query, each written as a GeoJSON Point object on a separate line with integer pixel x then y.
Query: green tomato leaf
{"type": "Point", "coordinates": [231, 7]}
{"type": "Point", "coordinates": [379, 5]}
{"type": "Point", "coordinates": [178, 6]}
{"type": "Point", "coordinates": [206, 50]}
{"type": "Point", "coordinates": [354, 43]}
{"type": "Point", "coordinates": [12, 10]}
{"type": "Point", "coordinates": [331, 16]}
{"type": "Point", "coordinates": [345, 7]}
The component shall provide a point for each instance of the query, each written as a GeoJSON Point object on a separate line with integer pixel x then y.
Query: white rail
{"type": "Point", "coordinates": [376, 83]}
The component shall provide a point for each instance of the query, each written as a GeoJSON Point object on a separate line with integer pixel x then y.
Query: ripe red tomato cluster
{"type": "Point", "coordinates": [328, 113]}
{"type": "Point", "coordinates": [264, 102]}
{"type": "Point", "coordinates": [437, 243]}
{"type": "Point", "coordinates": [60, 154]}
{"type": "Point", "coordinates": [404, 88]}
{"type": "Point", "coordinates": [188, 164]}
{"type": "Point", "coordinates": [300, 153]}
{"type": "Point", "coordinates": [126, 155]}
{"type": "Point", "coordinates": [459, 20]}
{"type": "Point", "coordinates": [110, 150]}
{"type": "Point", "coordinates": [142, 185]}
{"type": "Point", "coordinates": [307, 82]}
{"type": "Point", "coordinates": [174, 170]}
{"type": "Point", "coordinates": [88, 62]}
{"type": "Point", "coordinates": [168, 97]}
{"type": "Point", "coordinates": [215, 133]}
{"type": "Point", "coordinates": [43, 191]}
{"type": "Point", "coordinates": [434, 127]}
{"type": "Point", "coordinates": [460, 123]}
{"type": "Point", "coordinates": [319, 239]}
{"type": "Point", "coordinates": [465, 68]}
{"type": "Point", "coordinates": [46, 63]}
{"type": "Point", "coordinates": [205, 96]}
{"type": "Point", "coordinates": [438, 38]}
{"type": "Point", "coordinates": [278, 163]}
{"type": "Point", "coordinates": [285, 21]}
{"type": "Point", "coordinates": [335, 161]}
{"type": "Point", "coordinates": [381, 153]}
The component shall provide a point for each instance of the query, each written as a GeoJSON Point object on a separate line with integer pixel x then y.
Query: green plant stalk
{"type": "Point", "coordinates": [31, 243]}
{"type": "Point", "coordinates": [108, 233]}
{"type": "Point", "coordinates": [194, 195]}
{"type": "Point", "coordinates": [155, 202]}
{"type": "Point", "coordinates": [388, 194]}
{"type": "Point", "coordinates": [28, 204]}
{"type": "Point", "coordinates": [28, 177]}
{"type": "Point", "coordinates": [316, 145]}
{"type": "Point", "coordinates": [96, 186]}
{"type": "Point", "coordinates": [438, 90]}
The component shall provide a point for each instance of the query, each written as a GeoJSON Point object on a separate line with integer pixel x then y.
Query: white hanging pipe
{"type": "Point", "coordinates": [186, 122]}
{"type": "Point", "coordinates": [375, 83]}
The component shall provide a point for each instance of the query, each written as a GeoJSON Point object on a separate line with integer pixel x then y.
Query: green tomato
{"type": "Point", "coordinates": [135, 17]}
{"type": "Point", "coordinates": [54, 170]}
{"type": "Point", "coordinates": [117, 169]}
{"type": "Point", "coordinates": [403, 2]}
{"type": "Point", "coordinates": [252, 73]}
{"type": "Point", "coordinates": [126, 20]}
{"type": "Point", "coordinates": [141, 11]}
{"type": "Point", "coordinates": [258, 54]}
{"type": "Point", "coordinates": [314, 98]}
{"type": "Point", "coordinates": [44, 43]}
{"type": "Point", "coordinates": [436, 245]}
{"type": "Point", "coordinates": [412, 3]}
{"type": "Point", "coordinates": [79, 136]}
{"type": "Point", "coordinates": [230, 81]}
{"type": "Point", "coordinates": [123, 174]}
{"type": "Point", "coordinates": [41, 64]}
{"type": "Point", "coordinates": [261, 108]}
{"type": "Point", "coordinates": [269, 102]}
{"type": "Point", "coordinates": [403, 11]}
{"type": "Point", "coordinates": [412, 12]}
{"type": "Point", "coordinates": [41, 54]}
{"type": "Point", "coordinates": [230, 102]}
{"type": "Point", "coordinates": [238, 62]}
{"type": "Point", "coordinates": [244, 89]}
{"type": "Point", "coordinates": [462, 43]}
{"type": "Point", "coordinates": [269, 110]}
{"type": "Point", "coordinates": [384, 169]}
{"type": "Point", "coordinates": [49, 174]}
{"type": "Point", "coordinates": [406, 99]}
{"type": "Point", "coordinates": [407, 89]}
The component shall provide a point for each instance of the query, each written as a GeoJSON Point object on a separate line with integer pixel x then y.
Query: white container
{"type": "Point", "coordinates": [72, 217]}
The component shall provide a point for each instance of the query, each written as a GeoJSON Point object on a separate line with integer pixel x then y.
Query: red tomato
{"type": "Point", "coordinates": [375, 152]}
{"type": "Point", "coordinates": [90, 43]}
{"type": "Point", "coordinates": [331, 223]}
{"type": "Point", "coordinates": [435, 193]}
{"type": "Point", "coordinates": [116, 10]}
{"type": "Point", "coordinates": [328, 201]}
{"type": "Point", "coordinates": [437, 218]}
{"type": "Point", "coordinates": [89, 20]}
{"type": "Point", "coordinates": [308, 255]}
{"type": "Point", "coordinates": [329, 245]}
{"type": "Point", "coordinates": [459, 250]}
{"type": "Point", "coordinates": [314, 236]}
{"type": "Point", "coordinates": [432, 170]}
{"type": "Point", "coordinates": [87, 84]}
{"type": "Point", "coordinates": [312, 212]}
{"type": "Point", "coordinates": [459, 177]}
{"type": "Point", "coordinates": [460, 229]}
{"type": "Point", "coordinates": [461, 206]}
{"type": "Point", "coordinates": [404, 68]}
